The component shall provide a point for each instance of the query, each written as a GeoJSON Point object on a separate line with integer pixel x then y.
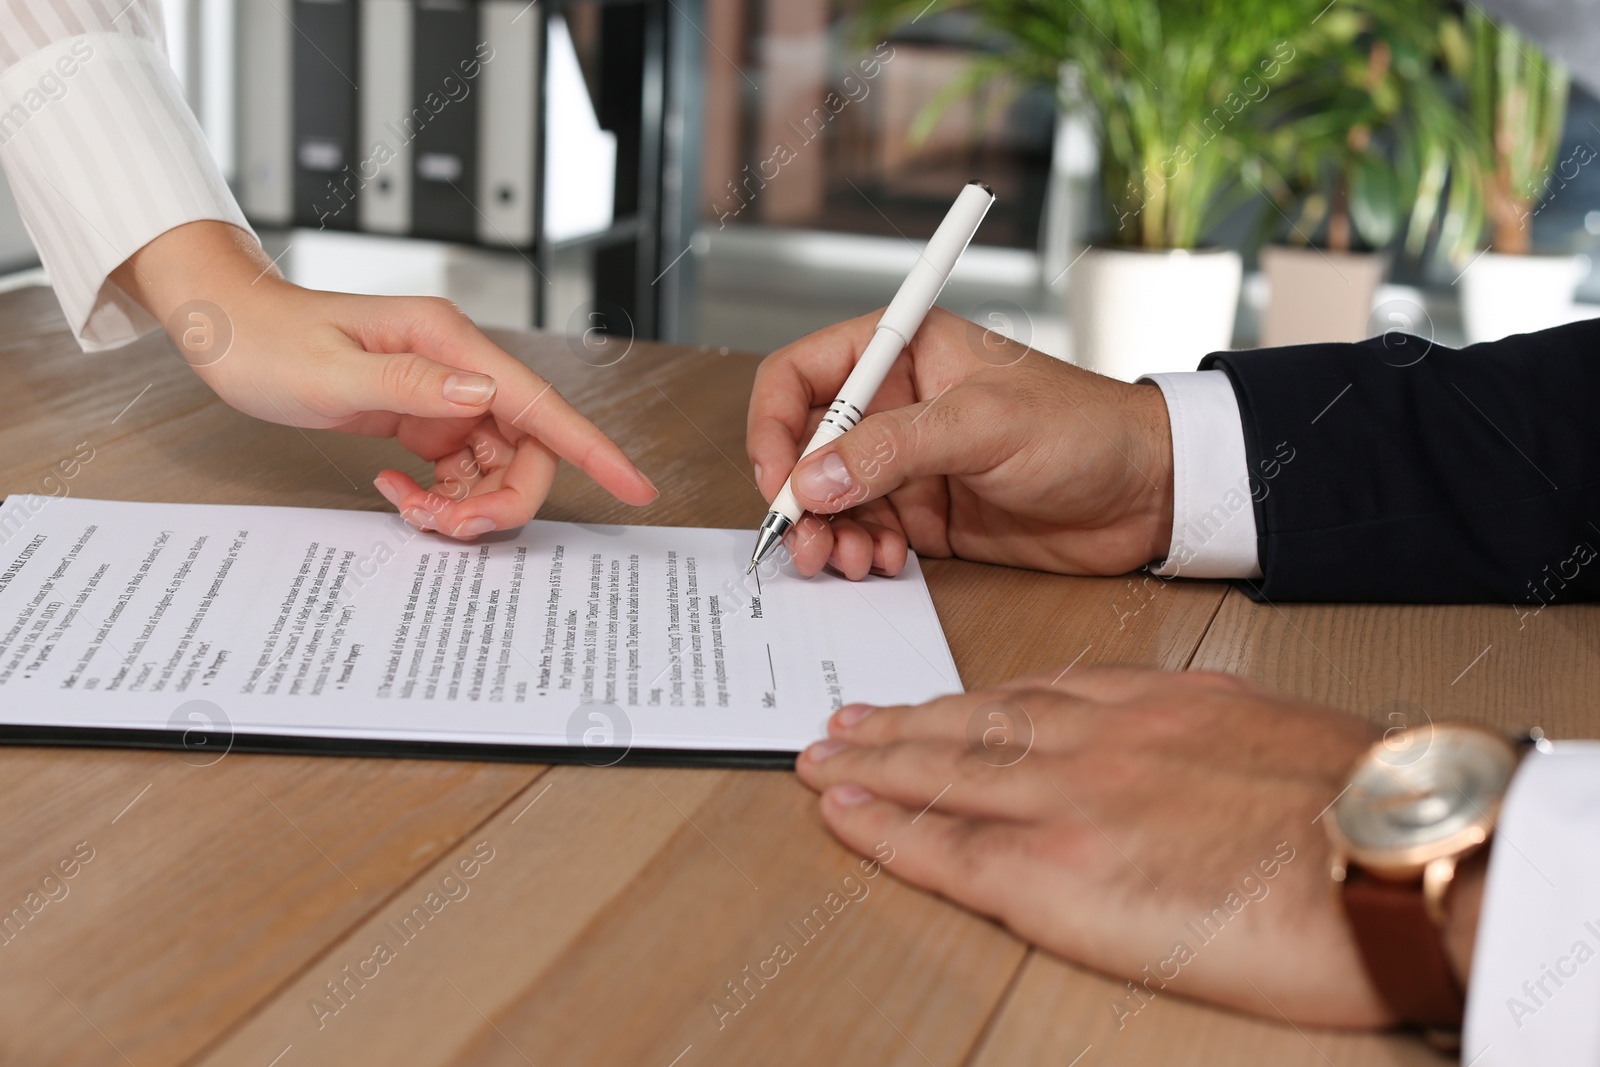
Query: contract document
{"type": "Point", "coordinates": [228, 627]}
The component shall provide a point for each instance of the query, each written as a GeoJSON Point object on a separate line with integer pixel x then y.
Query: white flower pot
{"type": "Point", "coordinates": [1318, 295]}
{"type": "Point", "coordinates": [1506, 294]}
{"type": "Point", "coordinates": [1136, 312]}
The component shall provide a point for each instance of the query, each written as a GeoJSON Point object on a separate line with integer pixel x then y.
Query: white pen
{"type": "Point", "coordinates": [900, 322]}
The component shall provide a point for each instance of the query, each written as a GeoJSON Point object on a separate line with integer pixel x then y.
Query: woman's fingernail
{"type": "Point", "coordinates": [822, 751]}
{"type": "Point", "coordinates": [469, 388]}
{"type": "Point", "coordinates": [419, 518]}
{"type": "Point", "coordinates": [851, 714]}
{"type": "Point", "coordinates": [386, 487]}
{"type": "Point", "coordinates": [473, 527]}
{"type": "Point", "coordinates": [646, 479]}
{"type": "Point", "coordinates": [849, 795]}
{"type": "Point", "coordinates": [757, 468]}
{"type": "Point", "coordinates": [825, 479]}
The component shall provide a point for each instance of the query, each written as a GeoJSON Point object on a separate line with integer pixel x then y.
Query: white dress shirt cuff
{"type": "Point", "coordinates": [1213, 515]}
{"type": "Point", "coordinates": [104, 155]}
{"type": "Point", "coordinates": [1535, 990]}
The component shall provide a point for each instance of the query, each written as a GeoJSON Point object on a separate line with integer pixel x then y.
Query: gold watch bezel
{"type": "Point", "coordinates": [1432, 862]}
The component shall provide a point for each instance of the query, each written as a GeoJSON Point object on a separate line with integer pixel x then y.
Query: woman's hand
{"type": "Point", "coordinates": [975, 446]}
{"type": "Point", "coordinates": [415, 369]}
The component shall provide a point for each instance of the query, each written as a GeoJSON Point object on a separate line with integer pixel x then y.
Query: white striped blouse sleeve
{"type": "Point", "coordinates": [102, 151]}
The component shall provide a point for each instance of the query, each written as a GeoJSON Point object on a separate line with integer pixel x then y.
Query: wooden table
{"type": "Point", "coordinates": [223, 902]}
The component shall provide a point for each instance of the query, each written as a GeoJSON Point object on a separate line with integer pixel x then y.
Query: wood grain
{"type": "Point", "coordinates": [718, 875]}
{"type": "Point", "coordinates": [210, 885]}
{"type": "Point", "coordinates": [53, 383]}
{"type": "Point", "coordinates": [60, 399]}
{"type": "Point", "coordinates": [1060, 1014]}
{"type": "Point", "coordinates": [1496, 664]}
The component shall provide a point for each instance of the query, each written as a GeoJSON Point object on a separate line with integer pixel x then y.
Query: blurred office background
{"type": "Point", "coordinates": [736, 173]}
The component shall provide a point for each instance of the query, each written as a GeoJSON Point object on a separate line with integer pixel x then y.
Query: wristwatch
{"type": "Point", "coordinates": [1418, 803]}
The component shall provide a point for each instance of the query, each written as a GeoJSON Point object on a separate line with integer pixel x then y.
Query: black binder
{"type": "Point", "coordinates": [446, 67]}
{"type": "Point", "coordinates": [216, 744]}
{"type": "Point", "coordinates": [326, 161]}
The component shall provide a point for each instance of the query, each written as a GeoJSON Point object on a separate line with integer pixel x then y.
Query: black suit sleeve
{"type": "Point", "coordinates": [1424, 474]}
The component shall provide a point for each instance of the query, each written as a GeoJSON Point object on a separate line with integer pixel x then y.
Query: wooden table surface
{"type": "Point", "coordinates": [223, 903]}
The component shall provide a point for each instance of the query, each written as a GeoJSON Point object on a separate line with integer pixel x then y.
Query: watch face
{"type": "Point", "coordinates": [1434, 795]}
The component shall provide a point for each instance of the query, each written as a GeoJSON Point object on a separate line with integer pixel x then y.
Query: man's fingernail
{"type": "Point", "coordinates": [473, 527]}
{"type": "Point", "coordinates": [469, 388]}
{"type": "Point", "coordinates": [849, 795]}
{"type": "Point", "coordinates": [822, 751]}
{"type": "Point", "coordinates": [823, 480]}
{"type": "Point", "coordinates": [851, 714]}
{"type": "Point", "coordinates": [384, 486]}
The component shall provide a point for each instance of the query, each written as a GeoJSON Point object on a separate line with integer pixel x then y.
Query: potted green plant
{"type": "Point", "coordinates": [1358, 142]}
{"type": "Point", "coordinates": [1171, 86]}
{"type": "Point", "coordinates": [1516, 100]}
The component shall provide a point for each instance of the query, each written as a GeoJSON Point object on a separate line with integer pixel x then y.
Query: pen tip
{"type": "Point", "coordinates": [750, 568]}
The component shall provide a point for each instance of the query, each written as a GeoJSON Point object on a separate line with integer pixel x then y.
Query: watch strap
{"type": "Point", "coordinates": [1403, 950]}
